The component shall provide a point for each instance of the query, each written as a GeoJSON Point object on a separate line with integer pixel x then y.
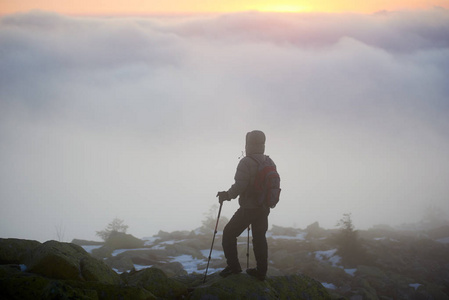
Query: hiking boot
{"type": "Point", "coordinates": [256, 274]}
{"type": "Point", "coordinates": [228, 271]}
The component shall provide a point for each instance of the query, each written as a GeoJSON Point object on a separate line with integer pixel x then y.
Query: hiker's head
{"type": "Point", "coordinates": [255, 142]}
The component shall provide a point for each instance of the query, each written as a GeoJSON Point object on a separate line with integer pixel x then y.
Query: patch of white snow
{"type": "Point", "coordinates": [118, 251]}
{"type": "Point", "coordinates": [329, 256]}
{"type": "Point", "coordinates": [90, 248]}
{"type": "Point", "coordinates": [189, 263]}
{"type": "Point", "coordinates": [150, 240]}
{"type": "Point", "coordinates": [330, 286]}
{"type": "Point", "coordinates": [216, 254]}
{"type": "Point", "coordinates": [351, 272]}
{"type": "Point", "coordinates": [300, 236]}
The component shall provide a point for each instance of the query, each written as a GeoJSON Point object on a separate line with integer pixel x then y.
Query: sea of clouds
{"type": "Point", "coordinates": [144, 118]}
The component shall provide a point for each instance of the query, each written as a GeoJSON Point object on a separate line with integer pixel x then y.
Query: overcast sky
{"type": "Point", "coordinates": [145, 118]}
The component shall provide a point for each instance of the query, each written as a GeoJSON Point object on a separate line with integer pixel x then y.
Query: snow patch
{"type": "Point", "coordinates": [189, 263]}
{"type": "Point", "coordinates": [216, 254]}
{"type": "Point", "coordinates": [141, 267]}
{"type": "Point", "coordinates": [330, 286]}
{"type": "Point", "coordinates": [300, 236]}
{"type": "Point", "coordinates": [351, 272]}
{"type": "Point", "coordinates": [90, 248]}
{"type": "Point", "coordinates": [415, 285]}
{"type": "Point", "coordinates": [118, 251]}
{"type": "Point", "coordinates": [329, 256]}
{"type": "Point", "coordinates": [149, 241]}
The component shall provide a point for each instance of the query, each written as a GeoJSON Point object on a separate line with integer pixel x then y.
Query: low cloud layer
{"type": "Point", "coordinates": [145, 118]}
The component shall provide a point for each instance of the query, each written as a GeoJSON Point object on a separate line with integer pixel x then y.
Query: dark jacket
{"type": "Point", "coordinates": [244, 179]}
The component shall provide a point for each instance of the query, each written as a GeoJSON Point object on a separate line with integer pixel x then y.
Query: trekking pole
{"type": "Point", "coordinates": [247, 249]}
{"type": "Point", "coordinates": [213, 239]}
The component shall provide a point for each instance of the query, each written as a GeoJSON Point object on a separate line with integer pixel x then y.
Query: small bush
{"type": "Point", "coordinates": [117, 225]}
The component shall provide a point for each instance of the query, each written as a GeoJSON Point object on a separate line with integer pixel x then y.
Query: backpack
{"type": "Point", "coordinates": [267, 182]}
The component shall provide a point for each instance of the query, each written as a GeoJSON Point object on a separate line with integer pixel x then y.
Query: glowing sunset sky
{"type": "Point", "coordinates": [138, 109]}
{"type": "Point", "coordinates": [203, 6]}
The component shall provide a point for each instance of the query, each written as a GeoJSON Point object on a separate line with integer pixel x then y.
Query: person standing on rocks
{"type": "Point", "coordinates": [249, 212]}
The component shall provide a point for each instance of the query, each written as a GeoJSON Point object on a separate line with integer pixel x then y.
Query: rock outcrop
{"type": "Point", "coordinates": [15, 251]}
{"type": "Point", "coordinates": [68, 262]}
{"type": "Point", "coordinates": [54, 270]}
{"type": "Point", "coordinates": [120, 240]}
{"type": "Point", "coordinates": [242, 286]}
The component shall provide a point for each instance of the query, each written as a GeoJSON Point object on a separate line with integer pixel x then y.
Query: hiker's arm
{"type": "Point", "coordinates": [242, 178]}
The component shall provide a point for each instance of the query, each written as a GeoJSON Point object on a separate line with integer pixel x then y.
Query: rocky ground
{"type": "Point", "coordinates": [303, 264]}
{"type": "Point", "coordinates": [54, 270]}
{"type": "Point", "coordinates": [397, 264]}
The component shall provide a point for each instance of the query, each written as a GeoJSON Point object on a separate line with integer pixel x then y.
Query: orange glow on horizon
{"type": "Point", "coordinates": [284, 8]}
{"type": "Point", "coordinates": [139, 7]}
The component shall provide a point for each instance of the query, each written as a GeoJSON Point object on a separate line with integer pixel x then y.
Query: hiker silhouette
{"type": "Point", "coordinates": [250, 211]}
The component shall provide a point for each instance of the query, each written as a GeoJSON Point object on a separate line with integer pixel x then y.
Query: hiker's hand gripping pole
{"type": "Point", "coordinates": [213, 239]}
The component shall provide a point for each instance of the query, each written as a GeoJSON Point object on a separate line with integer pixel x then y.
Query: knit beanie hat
{"type": "Point", "coordinates": [255, 142]}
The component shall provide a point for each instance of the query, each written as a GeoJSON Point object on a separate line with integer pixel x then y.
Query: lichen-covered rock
{"type": "Point", "coordinates": [155, 281]}
{"type": "Point", "coordinates": [95, 270]}
{"type": "Point", "coordinates": [24, 286]}
{"type": "Point", "coordinates": [120, 264]}
{"type": "Point", "coordinates": [239, 286]}
{"type": "Point", "coordinates": [114, 291]}
{"type": "Point", "coordinates": [298, 287]}
{"type": "Point", "coordinates": [9, 270]}
{"type": "Point", "coordinates": [180, 249]}
{"type": "Point", "coordinates": [16, 251]}
{"type": "Point", "coordinates": [102, 252]}
{"type": "Point", "coordinates": [70, 262]}
{"type": "Point", "coordinates": [172, 269]}
{"type": "Point", "coordinates": [125, 261]}
{"type": "Point", "coordinates": [242, 286]}
{"type": "Point", "coordinates": [120, 240]}
{"type": "Point", "coordinates": [57, 260]}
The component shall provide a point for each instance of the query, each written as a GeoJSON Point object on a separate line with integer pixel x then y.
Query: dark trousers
{"type": "Point", "coordinates": [243, 217]}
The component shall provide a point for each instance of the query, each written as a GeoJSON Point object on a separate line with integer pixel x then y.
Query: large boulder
{"type": "Point", "coordinates": [243, 286]}
{"type": "Point", "coordinates": [16, 251]}
{"type": "Point", "coordinates": [172, 269]}
{"type": "Point", "coordinates": [315, 231]}
{"type": "Point", "coordinates": [121, 240]}
{"type": "Point", "coordinates": [155, 281]}
{"type": "Point", "coordinates": [69, 261]}
{"type": "Point", "coordinates": [298, 287]}
{"type": "Point", "coordinates": [120, 264]}
{"type": "Point", "coordinates": [102, 252]}
{"type": "Point", "coordinates": [95, 270]}
{"type": "Point", "coordinates": [125, 261]}
{"type": "Point", "coordinates": [21, 285]}
{"type": "Point", "coordinates": [181, 249]}
{"type": "Point", "coordinates": [57, 260]}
